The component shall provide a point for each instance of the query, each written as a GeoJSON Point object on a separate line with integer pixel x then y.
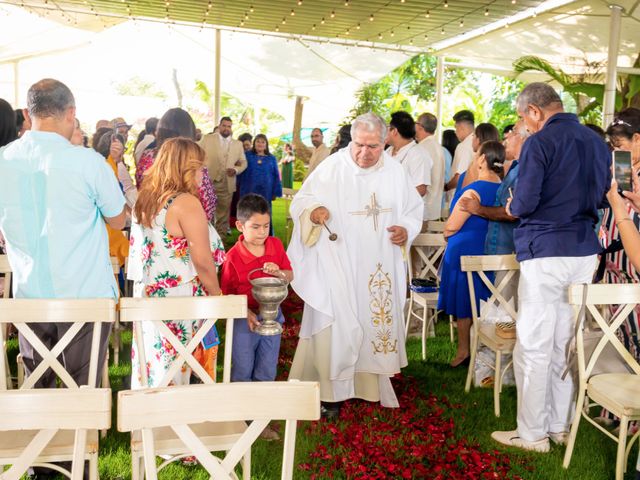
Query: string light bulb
{"type": "Point", "coordinates": [299, 2]}
{"type": "Point", "coordinates": [277, 28]}
{"type": "Point", "coordinates": [486, 12]}
{"type": "Point", "coordinates": [426, 37]}
{"type": "Point", "coordinates": [446, 4]}
{"type": "Point", "coordinates": [371, 17]}
{"type": "Point", "coordinates": [461, 22]}
{"type": "Point", "coordinates": [442, 31]}
{"type": "Point", "coordinates": [322, 21]}
{"type": "Point", "coordinates": [284, 20]}
{"type": "Point", "coordinates": [293, 13]}
{"type": "Point", "coordinates": [393, 34]}
{"type": "Point", "coordinates": [428, 14]}
{"type": "Point", "coordinates": [251, 9]}
{"type": "Point", "coordinates": [358, 27]}
{"type": "Point", "coordinates": [333, 14]}
{"type": "Point", "coordinates": [313, 27]}
{"type": "Point", "coordinates": [513, 2]}
{"type": "Point", "coordinates": [379, 36]}
{"type": "Point", "coordinates": [346, 3]}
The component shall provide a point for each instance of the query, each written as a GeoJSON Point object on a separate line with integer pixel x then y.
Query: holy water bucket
{"type": "Point", "coordinates": [269, 292]}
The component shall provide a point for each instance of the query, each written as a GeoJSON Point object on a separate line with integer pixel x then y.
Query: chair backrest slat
{"type": "Point", "coordinates": [488, 263]}
{"type": "Point", "coordinates": [155, 407]}
{"type": "Point", "coordinates": [5, 271]}
{"type": "Point", "coordinates": [57, 408]}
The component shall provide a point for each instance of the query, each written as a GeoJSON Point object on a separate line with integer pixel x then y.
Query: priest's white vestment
{"type": "Point", "coordinates": [354, 289]}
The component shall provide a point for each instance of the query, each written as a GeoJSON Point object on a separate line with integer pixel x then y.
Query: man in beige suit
{"type": "Point", "coordinates": [225, 159]}
{"type": "Point", "coordinates": [313, 155]}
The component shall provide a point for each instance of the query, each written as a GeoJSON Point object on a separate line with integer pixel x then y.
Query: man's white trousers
{"type": "Point", "coordinates": [545, 328]}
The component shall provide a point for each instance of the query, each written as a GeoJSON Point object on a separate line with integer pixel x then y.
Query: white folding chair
{"type": "Point", "coordinates": [62, 447]}
{"type": "Point", "coordinates": [218, 436]}
{"type": "Point", "coordinates": [287, 195]}
{"type": "Point", "coordinates": [428, 248]}
{"type": "Point", "coordinates": [5, 271]}
{"type": "Point", "coordinates": [152, 410]}
{"type": "Point", "coordinates": [619, 393]}
{"type": "Point", "coordinates": [486, 334]}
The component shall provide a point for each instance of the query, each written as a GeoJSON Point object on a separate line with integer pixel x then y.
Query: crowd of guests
{"type": "Point", "coordinates": [537, 191]}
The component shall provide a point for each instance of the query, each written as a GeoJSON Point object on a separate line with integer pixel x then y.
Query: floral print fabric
{"type": "Point", "coordinates": [162, 267]}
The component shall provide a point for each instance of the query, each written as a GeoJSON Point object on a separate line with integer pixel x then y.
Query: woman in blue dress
{"type": "Point", "coordinates": [262, 175]}
{"type": "Point", "coordinates": [466, 234]}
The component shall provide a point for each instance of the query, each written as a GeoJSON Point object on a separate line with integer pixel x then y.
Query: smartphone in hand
{"type": "Point", "coordinates": [622, 170]}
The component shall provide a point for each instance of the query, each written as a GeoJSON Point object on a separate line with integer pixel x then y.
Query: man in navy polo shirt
{"type": "Point", "coordinates": [565, 172]}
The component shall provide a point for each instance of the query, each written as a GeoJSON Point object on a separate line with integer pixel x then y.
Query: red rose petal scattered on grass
{"type": "Point", "coordinates": [415, 441]}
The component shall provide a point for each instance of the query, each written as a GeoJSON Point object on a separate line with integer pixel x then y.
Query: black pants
{"type": "Point", "coordinates": [75, 358]}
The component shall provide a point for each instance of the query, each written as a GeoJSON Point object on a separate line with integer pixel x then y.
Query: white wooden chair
{"type": "Point", "coordinates": [287, 195]}
{"type": "Point", "coordinates": [486, 334]}
{"type": "Point", "coordinates": [51, 425]}
{"type": "Point", "coordinates": [151, 410]}
{"type": "Point", "coordinates": [5, 271]}
{"type": "Point", "coordinates": [429, 249]}
{"type": "Point", "coordinates": [218, 436]}
{"type": "Point", "coordinates": [619, 393]}
{"type": "Point", "coordinates": [23, 313]}
{"type": "Point", "coordinates": [116, 340]}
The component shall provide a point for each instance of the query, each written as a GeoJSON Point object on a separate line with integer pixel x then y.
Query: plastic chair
{"type": "Point", "coordinates": [287, 195]}
{"type": "Point", "coordinates": [486, 334]}
{"type": "Point", "coordinates": [619, 393]}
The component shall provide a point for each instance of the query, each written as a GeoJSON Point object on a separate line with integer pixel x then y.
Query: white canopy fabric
{"type": "Point", "coordinates": [267, 72]}
{"type": "Point", "coordinates": [569, 37]}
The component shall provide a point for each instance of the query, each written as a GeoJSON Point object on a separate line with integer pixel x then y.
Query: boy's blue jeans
{"type": "Point", "coordinates": [254, 357]}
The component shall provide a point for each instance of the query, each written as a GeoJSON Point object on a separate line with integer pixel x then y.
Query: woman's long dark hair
{"type": "Point", "coordinates": [263, 137]}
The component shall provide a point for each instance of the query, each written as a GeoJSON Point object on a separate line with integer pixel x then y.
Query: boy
{"type": "Point", "coordinates": [254, 357]}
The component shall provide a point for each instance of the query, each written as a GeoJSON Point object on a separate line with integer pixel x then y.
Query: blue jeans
{"type": "Point", "coordinates": [254, 357]}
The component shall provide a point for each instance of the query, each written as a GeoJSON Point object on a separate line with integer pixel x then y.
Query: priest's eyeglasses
{"type": "Point", "coordinates": [360, 146]}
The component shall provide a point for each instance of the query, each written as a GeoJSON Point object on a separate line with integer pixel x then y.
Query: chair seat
{"type": "Point", "coordinates": [216, 436]}
{"type": "Point", "coordinates": [424, 299]}
{"type": "Point", "coordinates": [12, 445]}
{"type": "Point", "coordinates": [489, 338]}
{"type": "Point", "coordinates": [617, 392]}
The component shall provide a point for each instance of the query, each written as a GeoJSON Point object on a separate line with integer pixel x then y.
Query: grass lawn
{"type": "Point", "coordinates": [471, 414]}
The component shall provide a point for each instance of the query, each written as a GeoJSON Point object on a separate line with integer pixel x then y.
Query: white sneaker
{"type": "Point", "coordinates": [512, 439]}
{"type": "Point", "coordinates": [559, 438]}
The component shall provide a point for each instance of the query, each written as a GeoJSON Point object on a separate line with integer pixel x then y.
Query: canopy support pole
{"type": "Point", "coordinates": [612, 63]}
{"type": "Point", "coordinates": [216, 91]}
{"type": "Point", "coordinates": [439, 92]}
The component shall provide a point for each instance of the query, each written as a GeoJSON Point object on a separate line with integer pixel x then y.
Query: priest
{"type": "Point", "coordinates": [354, 286]}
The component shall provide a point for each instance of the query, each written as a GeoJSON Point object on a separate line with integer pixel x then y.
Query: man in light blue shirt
{"type": "Point", "coordinates": [54, 201]}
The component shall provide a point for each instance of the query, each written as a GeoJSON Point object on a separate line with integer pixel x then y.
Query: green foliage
{"type": "Point", "coordinates": [299, 170]}
{"type": "Point", "coordinates": [139, 87]}
{"type": "Point", "coordinates": [587, 89]}
{"type": "Point", "coordinates": [412, 87]}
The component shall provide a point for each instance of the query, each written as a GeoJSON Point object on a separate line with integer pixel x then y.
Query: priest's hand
{"type": "Point", "coordinates": [252, 320]}
{"type": "Point", "coordinates": [231, 172]}
{"type": "Point", "coordinates": [319, 215]}
{"type": "Point", "coordinates": [398, 235]}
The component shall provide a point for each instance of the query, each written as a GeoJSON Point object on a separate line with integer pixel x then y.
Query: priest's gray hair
{"type": "Point", "coordinates": [371, 123]}
{"type": "Point", "coordinates": [542, 95]}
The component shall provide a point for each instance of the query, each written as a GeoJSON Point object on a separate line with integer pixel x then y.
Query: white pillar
{"type": "Point", "coordinates": [216, 88]}
{"type": "Point", "coordinates": [16, 84]}
{"type": "Point", "coordinates": [439, 91]}
{"type": "Point", "coordinates": [609, 103]}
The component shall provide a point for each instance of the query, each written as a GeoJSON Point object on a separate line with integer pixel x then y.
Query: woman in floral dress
{"type": "Point", "coordinates": [174, 250]}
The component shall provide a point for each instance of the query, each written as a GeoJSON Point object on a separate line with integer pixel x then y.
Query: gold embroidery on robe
{"type": "Point", "coordinates": [381, 306]}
